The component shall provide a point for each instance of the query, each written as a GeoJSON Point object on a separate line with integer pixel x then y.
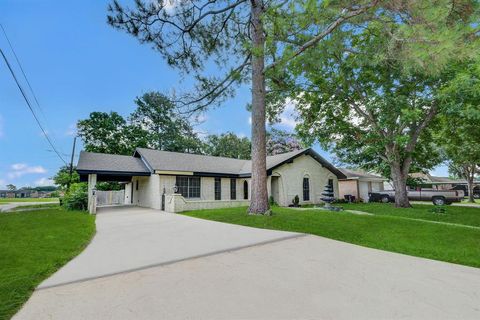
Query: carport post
{"type": "Point", "coordinates": [92, 203]}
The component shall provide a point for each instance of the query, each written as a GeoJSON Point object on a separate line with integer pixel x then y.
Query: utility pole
{"type": "Point", "coordinates": [71, 162]}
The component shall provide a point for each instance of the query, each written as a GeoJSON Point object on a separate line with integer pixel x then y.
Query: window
{"type": "Point", "coordinates": [233, 189]}
{"type": "Point", "coordinates": [245, 190]}
{"type": "Point", "coordinates": [218, 189]}
{"type": "Point", "coordinates": [136, 186]}
{"type": "Point", "coordinates": [188, 187]}
{"type": "Point", "coordinates": [306, 189]}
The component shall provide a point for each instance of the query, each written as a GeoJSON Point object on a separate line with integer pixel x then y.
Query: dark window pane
{"type": "Point", "coordinates": [182, 186]}
{"type": "Point", "coordinates": [306, 189]}
{"type": "Point", "coordinates": [245, 190]}
{"type": "Point", "coordinates": [218, 188]}
{"type": "Point", "coordinates": [194, 187]}
{"type": "Point", "coordinates": [233, 189]}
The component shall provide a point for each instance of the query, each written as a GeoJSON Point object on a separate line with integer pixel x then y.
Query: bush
{"type": "Point", "coordinates": [271, 201]}
{"type": "Point", "coordinates": [76, 198]}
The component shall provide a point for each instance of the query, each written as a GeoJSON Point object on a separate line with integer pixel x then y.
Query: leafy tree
{"type": "Point", "coordinates": [373, 104]}
{"type": "Point", "coordinates": [459, 132]}
{"type": "Point", "coordinates": [247, 40]}
{"type": "Point", "coordinates": [109, 133]}
{"type": "Point", "coordinates": [11, 187]}
{"type": "Point", "coordinates": [62, 177]}
{"type": "Point", "coordinates": [164, 128]}
{"type": "Point", "coordinates": [228, 145]}
{"type": "Point", "coordinates": [279, 141]}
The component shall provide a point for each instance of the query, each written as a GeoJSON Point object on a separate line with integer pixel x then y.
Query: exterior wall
{"type": "Point", "coordinates": [291, 180]}
{"type": "Point", "coordinates": [128, 193]}
{"type": "Point", "coordinates": [290, 183]}
{"type": "Point", "coordinates": [148, 193]}
{"type": "Point", "coordinates": [177, 203]}
{"type": "Point", "coordinates": [346, 187]}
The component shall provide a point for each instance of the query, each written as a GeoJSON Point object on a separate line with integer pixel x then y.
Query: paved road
{"type": "Point", "coordinates": [4, 207]}
{"type": "Point", "coordinates": [255, 274]}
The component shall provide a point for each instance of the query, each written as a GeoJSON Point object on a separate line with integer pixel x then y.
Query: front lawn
{"type": "Point", "coordinates": [35, 244]}
{"type": "Point", "coordinates": [9, 200]}
{"type": "Point", "coordinates": [454, 244]}
{"type": "Point", "coordinates": [453, 214]}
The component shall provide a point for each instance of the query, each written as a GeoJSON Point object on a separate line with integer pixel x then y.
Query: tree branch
{"type": "Point", "coordinates": [312, 42]}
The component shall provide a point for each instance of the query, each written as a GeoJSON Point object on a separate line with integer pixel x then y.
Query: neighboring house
{"type": "Point", "coordinates": [176, 182]}
{"type": "Point", "coordinates": [21, 193]}
{"type": "Point", "coordinates": [359, 184]}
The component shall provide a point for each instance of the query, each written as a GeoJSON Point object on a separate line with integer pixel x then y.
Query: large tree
{"type": "Point", "coordinates": [248, 40]}
{"type": "Point", "coordinates": [279, 141]}
{"type": "Point", "coordinates": [370, 93]}
{"type": "Point", "coordinates": [153, 124]}
{"type": "Point", "coordinates": [109, 133]}
{"type": "Point", "coordinates": [227, 145]}
{"type": "Point", "coordinates": [165, 129]}
{"type": "Point", "coordinates": [459, 133]}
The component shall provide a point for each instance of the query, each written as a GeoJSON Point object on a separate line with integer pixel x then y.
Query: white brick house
{"type": "Point", "coordinates": [177, 182]}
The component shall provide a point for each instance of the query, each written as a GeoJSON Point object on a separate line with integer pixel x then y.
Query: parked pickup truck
{"type": "Point", "coordinates": [438, 197]}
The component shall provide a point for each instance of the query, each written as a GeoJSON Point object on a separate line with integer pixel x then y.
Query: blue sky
{"type": "Point", "coordinates": [77, 64]}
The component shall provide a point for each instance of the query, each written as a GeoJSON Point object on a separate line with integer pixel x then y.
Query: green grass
{"type": "Point", "coordinates": [417, 238]}
{"type": "Point", "coordinates": [37, 206]}
{"type": "Point", "coordinates": [10, 200]}
{"type": "Point", "coordinates": [35, 244]}
{"type": "Point", "coordinates": [453, 214]}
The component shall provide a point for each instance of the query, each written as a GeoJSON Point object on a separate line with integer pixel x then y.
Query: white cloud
{"type": "Point", "coordinates": [289, 115]}
{"type": "Point", "coordinates": [71, 130]}
{"type": "Point", "coordinates": [3, 184]}
{"type": "Point", "coordinates": [250, 120]}
{"type": "Point", "coordinates": [21, 169]}
{"type": "Point", "coordinates": [42, 182]}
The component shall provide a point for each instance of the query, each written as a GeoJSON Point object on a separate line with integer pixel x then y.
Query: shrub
{"type": "Point", "coordinates": [271, 201]}
{"type": "Point", "coordinates": [76, 198]}
{"type": "Point", "coordinates": [296, 201]}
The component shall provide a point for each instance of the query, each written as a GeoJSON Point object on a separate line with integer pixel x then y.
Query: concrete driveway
{"type": "Point", "coordinates": [145, 264]}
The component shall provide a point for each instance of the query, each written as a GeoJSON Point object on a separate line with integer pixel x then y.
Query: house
{"type": "Point", "coordinates": [176, 182]}
{"type": "Point", "coordinates": [359, 184]}
{"type": "Point", "coordinates": [21, 193]}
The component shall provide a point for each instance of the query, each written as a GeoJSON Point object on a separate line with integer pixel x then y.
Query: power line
{"type": "Point", "coordinates": [26, 79]}
{"type": "Point", "coordinates": [21, 68]}
{"type": "Point", "coordinates": [30, 107]}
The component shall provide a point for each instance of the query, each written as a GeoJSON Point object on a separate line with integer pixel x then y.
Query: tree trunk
{"type": "Point", "coordinates": [399, 178]}
{"type": "Point", "coordinates": [259, 196]}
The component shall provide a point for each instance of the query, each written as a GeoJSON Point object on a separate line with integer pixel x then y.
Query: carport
{"type": "Point", "coordinates": [99, 167]}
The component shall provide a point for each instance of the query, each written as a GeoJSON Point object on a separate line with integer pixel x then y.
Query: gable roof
{"type": "Point", "coordinates": [103, 162]}
{"type": "Point", "coordinates": [361, 175]}
{"type": "Point", "coordinates": [146, 161]}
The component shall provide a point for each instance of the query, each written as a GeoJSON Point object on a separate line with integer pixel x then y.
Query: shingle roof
{"type": "Point", "coordinates": [175, 161]}
{"type": "Point", "coordinates": [148, 160]}
{"type": "Point", "coordinates": [360, 174]}
{"type": "Point", "coordinates": [102, 162]}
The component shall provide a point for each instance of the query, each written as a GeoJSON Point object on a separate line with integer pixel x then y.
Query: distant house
{"type": "Point", "coordinates": [359, 184]}
{"type": "Point", "coordinates": [24, 193]}
{"type": "Point", "coordinates": [175, 182]}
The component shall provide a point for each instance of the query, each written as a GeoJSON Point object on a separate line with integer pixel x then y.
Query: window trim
{"type": "Point", "coordinates": [306, 188]}
{"type": "Point", "coordinates": [233, 189]}
{"type": "Point", "coordinates": [245, 189]}
{"type": "Point", "coordinates": [189, 187]}
{"type": "Point", "coordinates": [217, 189]}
